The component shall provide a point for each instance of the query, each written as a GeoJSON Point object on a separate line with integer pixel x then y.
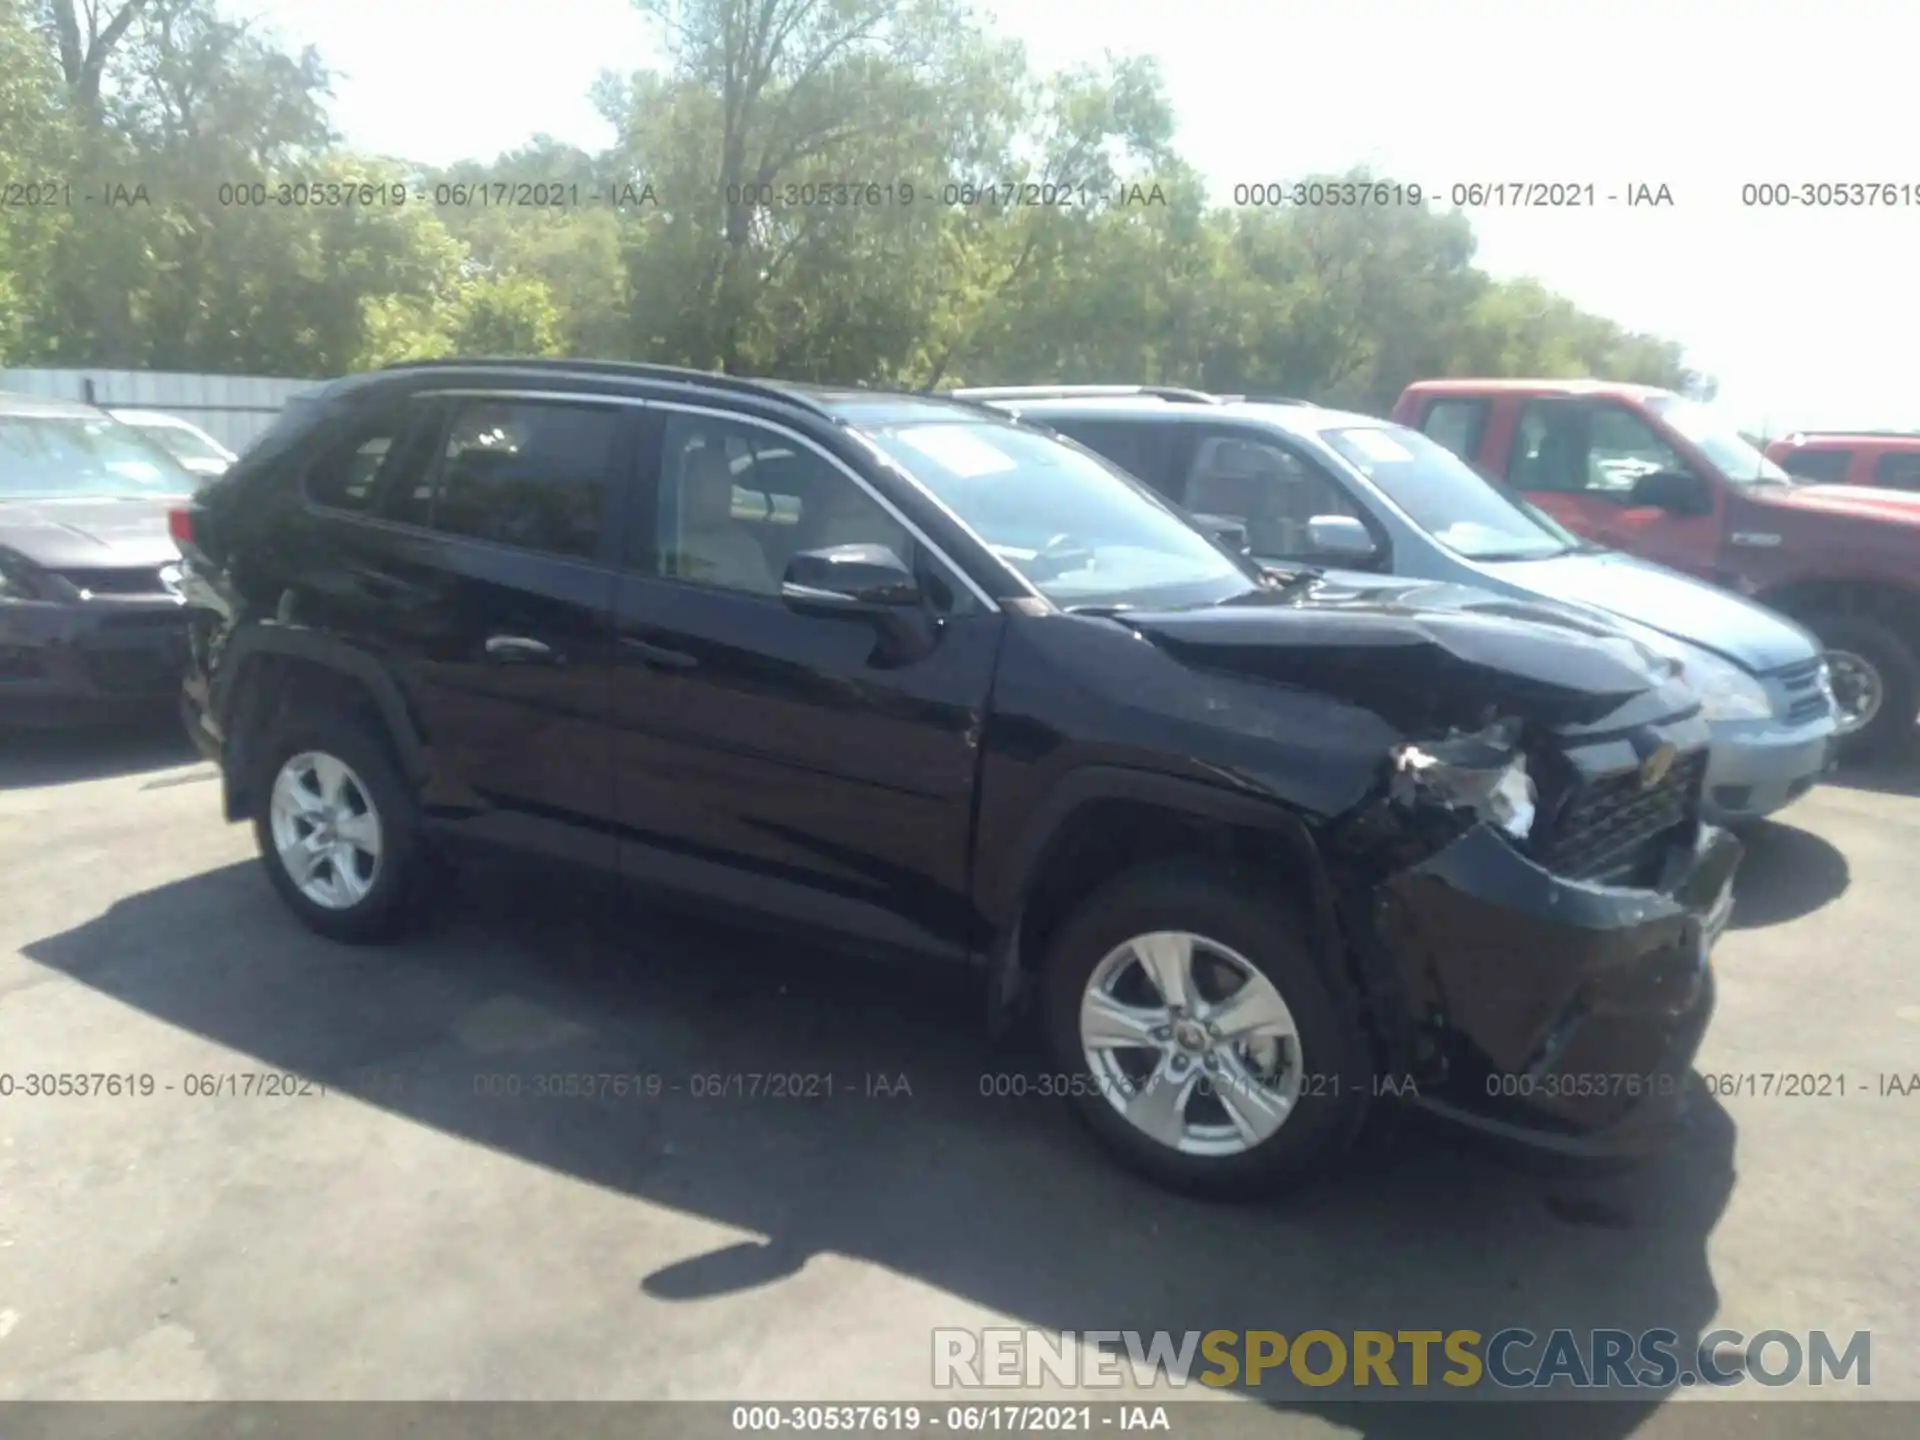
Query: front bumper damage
{"type": "Point", "coordinates": [1561, 1014]}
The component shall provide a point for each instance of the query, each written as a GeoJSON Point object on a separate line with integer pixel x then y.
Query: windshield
{"type": "Point", "coordinates": [1448, 498]}
{"type": "Point", "coordinates": [1079, 530]}
{"type": "Point", "coordinates": [58, 457]}
{"type": "Point", "coordinates": [1720, 442]}
{"type": "Point", "coordinates": [181, 443]}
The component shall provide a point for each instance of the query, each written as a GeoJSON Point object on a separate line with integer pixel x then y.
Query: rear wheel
{"type": "Point", "coordinates": [1876, 683]}
{"type": "Point", "coordinates": [338, 828]}
{"type": "Point", "coordinates": [1204, 1045]}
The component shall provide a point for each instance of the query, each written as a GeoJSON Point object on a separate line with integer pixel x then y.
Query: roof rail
{"type": "Point", "coordinates": [633, 369]}
{"type": "Point", "coordinates": [1271, 400]}
{"type": "Point", "coordinates": [1075, 392]}
{"type": "Point", "coordinates": [1852, 434]}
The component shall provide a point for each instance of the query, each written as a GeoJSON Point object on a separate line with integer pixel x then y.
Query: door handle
{"type": "Point", "coordinates": [519, 649]}
{"type": "Point", "coordinates": [657, 656]}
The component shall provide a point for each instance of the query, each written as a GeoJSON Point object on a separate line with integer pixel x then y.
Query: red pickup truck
{"type": "Point", "coordinates": [1662, 477]}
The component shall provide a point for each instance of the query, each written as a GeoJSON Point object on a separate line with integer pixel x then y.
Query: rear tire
{"type": "Point", "coordinates": [1217, 1095]}
{"type": "Point", "coordinates": [332, 804]}
{"type": "Point", "coordinates": [1862, 650]}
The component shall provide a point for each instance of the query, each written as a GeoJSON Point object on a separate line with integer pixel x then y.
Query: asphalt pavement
{"type": "Point", "coordinates": [345, 1183]}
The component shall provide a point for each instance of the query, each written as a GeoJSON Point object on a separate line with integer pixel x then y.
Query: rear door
{"type": "Point", "coordinates": [788, 763]}
{"type": "Point", "coordinates": [469, 539]}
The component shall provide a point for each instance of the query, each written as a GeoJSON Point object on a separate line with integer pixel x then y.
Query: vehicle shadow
{"type": "Point", "coordinates": [1892, 776]}
{"type": "Point", "coordinates": [35, 757]}
{"type": "Point", "coordinates": [1785, 874]}
{"type": "Point", "coordinates": [997, 1199]}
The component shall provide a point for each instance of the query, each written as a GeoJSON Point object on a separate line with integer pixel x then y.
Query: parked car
{"type": "Point", "coordinates": [1698, 497]}
{"type": "Point", "coordinates": [197, 451]}
{"type": "Point", "coordinates": [1323, 488]}
{"type": "Point", "coordinates": [946, 688]}
{"type": "Point", "coordinates": [1872, 458]}
{"type": "Point", "coordinates": [92, 622]}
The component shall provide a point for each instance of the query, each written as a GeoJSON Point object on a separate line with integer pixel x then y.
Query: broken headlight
{"type": "Point", "coordinates": [1482, 775]}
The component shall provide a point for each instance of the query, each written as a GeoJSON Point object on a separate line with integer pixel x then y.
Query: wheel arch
{"type": "Point", "coordinates": [1099, 821]}
{"type": "Point", "coordinates": [266, 670]}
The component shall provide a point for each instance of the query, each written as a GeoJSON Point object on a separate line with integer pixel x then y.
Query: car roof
{"type": "Point", "coordinates": [44, 407]}
{"type": "Point", "coordinates": [1302, 420]}
{"type": "Point", "coordinates": [854, 405]}
{"type": "Point", "coordinates": [1533, 387]}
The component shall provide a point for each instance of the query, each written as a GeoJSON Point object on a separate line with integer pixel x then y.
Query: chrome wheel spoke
{"type": "Point", "coordinates": [333, 778]}
{"type": "Point", "coordinates": [1254, 1011]}
{"type": "Point", "coordinates": [1108, 1024]}
{"type": "Point", "coordinates": [349, 884]}
{"type": "Point", "coordinates": [1167, 957]}
{"type": "Point", "coordinates": [361, 832]}
{"type": "Point", "coordinates": [1159, 1106]}
{"type": "Point", "coordinates": [1256, 1110]}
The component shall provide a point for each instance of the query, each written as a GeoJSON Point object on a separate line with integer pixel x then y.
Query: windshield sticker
{"type": "Point", "coordinates": [957, 448]}
{"type": "Point", "coordinates": [1379, 445]}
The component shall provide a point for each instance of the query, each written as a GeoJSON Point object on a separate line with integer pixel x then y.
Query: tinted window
{"type": "Point", "coordinates": [1822, 466]}
{"type": "Point", "coordinates": [348, 477]}
{"type": "Point", "coordinates": [737, 502]}
{"type": "Point", "coordinates": [1138, 449]}
{"type": "Point", "coordinates": [527, 473]}
{"type": "Point", "coordinates": [1267, 488]}
{"type": "Point", "coordinates": [1898, 469]}
{"type": "Point", "coordinates": [1456, 424]}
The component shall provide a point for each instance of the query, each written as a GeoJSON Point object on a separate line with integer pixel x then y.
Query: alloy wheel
{"type": "Point", "coordinates": [1191, 1043]}
{"type": "Point", "coordinates": [326, 830]}
{"type": "Point", "coordinates": [1858, 689]}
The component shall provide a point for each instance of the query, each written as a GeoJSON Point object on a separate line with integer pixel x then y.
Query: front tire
{"type": "Point", "coordinates": [1207, 1048]}
{"type": "Point", "coordinates": [338, 828]}
{"type": "Point", "coordinates": [1876, 681]}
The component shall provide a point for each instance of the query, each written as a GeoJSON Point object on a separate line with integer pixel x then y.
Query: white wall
{"type": "Point", "coordinates": [231, 408]}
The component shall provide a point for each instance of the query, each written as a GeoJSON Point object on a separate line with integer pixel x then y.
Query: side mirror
{"type": "Point", "coordinates": [849, 580]}
{"type": "Point", "coordinates": [1340, 537]}
{"type": "Point", "coordinates": [1675, 491]}
{"type": "Point", "coordinates": [1225, 530]}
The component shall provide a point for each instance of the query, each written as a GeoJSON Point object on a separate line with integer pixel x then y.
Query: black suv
{"type": "Point", "coordinates": [911, 674]}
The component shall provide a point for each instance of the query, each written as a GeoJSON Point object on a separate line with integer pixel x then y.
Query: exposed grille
{"type": "Point", "coordinates": [1802, 686]}
{"type": "Point", "coordinates": [135, 580]}
{"type": "Point", "coordinates": [1611, 829]}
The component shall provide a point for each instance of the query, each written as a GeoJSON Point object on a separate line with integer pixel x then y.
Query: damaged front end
{"type": "Point", "coordinates": [1542, 908]}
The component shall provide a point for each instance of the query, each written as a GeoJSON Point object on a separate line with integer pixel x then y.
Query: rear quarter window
{"type": "Point", "coordinates": [1898, 470]}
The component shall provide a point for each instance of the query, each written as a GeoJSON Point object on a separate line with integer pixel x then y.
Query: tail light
{"type": "Point", "coordinates": [180, 526]}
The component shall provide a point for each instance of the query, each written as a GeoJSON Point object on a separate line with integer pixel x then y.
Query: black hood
{"type": "Point", "coordinates": [88, 533]}
{"type": "Point", "coordinates": [1401, 644]}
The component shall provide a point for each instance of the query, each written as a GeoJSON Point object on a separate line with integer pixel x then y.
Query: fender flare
{"type": "Point", "coordinates": [1027, 858]}
{"type": "Point", "coordinates": [236, 707]}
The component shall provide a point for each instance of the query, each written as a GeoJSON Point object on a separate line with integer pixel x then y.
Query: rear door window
{"type": "Point", "coordinates": [1144, 451]}
{"type": "Point", "coordinates": [1456, 424]}
{"type": "Point", "coordinates": [1898, 470]}
{"type": "Point", "coordinates": [1823, 467]}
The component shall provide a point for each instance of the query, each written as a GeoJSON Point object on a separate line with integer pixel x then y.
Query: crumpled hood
{"type": "Point", "coordinates": [88, 533]}
{"type": "Point", "coordinates": [1667, 603]}
{"type": "Point", "coordinates": [1369, 638]}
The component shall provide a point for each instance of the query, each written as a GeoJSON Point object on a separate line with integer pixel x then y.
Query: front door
{"type": "Point", "coordinates": [788, 763]}
{"type": "Point", "coordinates": [1578, 460]}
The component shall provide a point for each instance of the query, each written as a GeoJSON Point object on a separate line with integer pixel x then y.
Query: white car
{"type": "Point", "coordinates": [196, 450]}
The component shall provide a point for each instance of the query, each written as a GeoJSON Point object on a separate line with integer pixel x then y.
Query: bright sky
{"type": "Point", "coordinates": [1808, 317]}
